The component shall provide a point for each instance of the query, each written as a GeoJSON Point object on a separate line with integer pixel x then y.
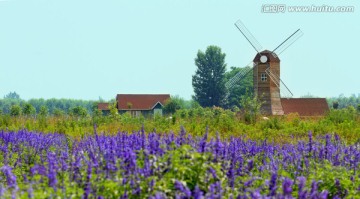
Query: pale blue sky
{"type": "Point", "coordinates": [84, 49]}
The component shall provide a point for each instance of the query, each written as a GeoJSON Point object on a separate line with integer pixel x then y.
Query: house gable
{"type": "Point", "coordinates": [158, 105]}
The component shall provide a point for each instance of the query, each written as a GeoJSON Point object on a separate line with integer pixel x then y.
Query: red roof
{"type": "Point", "coordinates": [268, 54]}
{"type": "Point", "coordinates": [103, 106]}
{"type": "Point", "coordinates": [305, 106]}
{"type": "Point", "coordinates": [140, 101]}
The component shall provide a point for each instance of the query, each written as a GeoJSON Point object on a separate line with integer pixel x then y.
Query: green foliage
{"type": "Point", "coordinates": [335, 105]}
{"type": "Point", "coordinates": [12, 95]}
{"type": "Point", "coordinates": [97, 113]}
{"type": "Point", "coordinates": [188, 167]}
{"type": "Point", "coordinates": [328, 174]}
{"type": "Point", "coordinates": [58, 112]}
{"type": "Point", "coordinates": [342, 115]}
{"type": "Point", "coordinates": [28, 109]}
{"type": "Point", "coordinates": [114, 112]}
{"type": "Point", "coordinates": [251, 106]}
{"type": "Point", "coordinates": [15, 110]}
{"type": "Point", "coordinates": [78, 111]}
{"type": "Point", "coordinates": [273, 123]}
{"type": "Point", "coordinates": [52, 104]}
{"type": "Point", "coordinates": [209, 78]}
{"type": "Point", "coordinates": [344, 102]}
{"type": "Point", "coordinates": [173, 104]}
{"type": "Point", "coordinates": [280, 129]}
{"type": "Point", "coordinates": [245, 85]}
{"type": "Point", "coordinates": [44, 111]}
{"type": "Point", "coordinates": [191, 104]}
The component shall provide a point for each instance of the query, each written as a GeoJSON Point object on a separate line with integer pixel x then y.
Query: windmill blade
{"type": "Point", "coordinates": [240, 75]}
{"type": "Point", "coordinates": [287, 42]}
{"type": "Point", "coordinates": [248, 36]}
{"type": "Point", "coordinates": [284, 90]}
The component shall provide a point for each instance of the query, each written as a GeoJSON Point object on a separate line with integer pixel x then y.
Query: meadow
{"type": "Point", "coordinates": [195, 153]}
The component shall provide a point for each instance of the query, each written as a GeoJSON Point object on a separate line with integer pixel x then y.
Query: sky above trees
{"type": "Point", "coordinates": [86, 49]}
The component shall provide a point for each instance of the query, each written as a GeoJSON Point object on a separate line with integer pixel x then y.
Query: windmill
{"type": "Point", "coordinates": [266, 72]}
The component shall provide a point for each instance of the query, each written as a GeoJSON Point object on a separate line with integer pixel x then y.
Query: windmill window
{"type": "Point", "coordinates": [263, 77]}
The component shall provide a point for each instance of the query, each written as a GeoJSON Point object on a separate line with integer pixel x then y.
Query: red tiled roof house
{"type": "Point", "coordinates": [138, 104]}
{"type": "Point", "coordinates": [305, 106]}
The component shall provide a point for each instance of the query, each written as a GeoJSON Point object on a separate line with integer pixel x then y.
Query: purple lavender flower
{"type": "Point", "coordinates": [2, 190]}
{"type": "Point", "coordinates": [151, 184]}
{"type": "Point", "coordinates": [10, 177]}
{"type": "Point", "coordinates": [250, 165]}
{"type": "Point", "coordinates": [272, 185]}
{"type": "Point", "coordinates": [324, 195]}
{"type": "Point", "coordinates": [310, 142]}
{"type": "Point", "coordinates": [202, 144]}
{"type": "Point", "coordinates": [314, 189]}
{"type": "Point", "coordinates": [256, 194]}
{"type": "Point", "coordinates": [184, 190]}
{"type": "Point", "coordinates": [52, 173]}
{"type": "Point", "coordinates": [213, 172]}
{"type": "Point", "coordinates": [124, 196]}
{"type": "Point", "coordinates": [159, 195]}
{"type": "Point", "coordinates": [287, 187]}
{"type": "Point", "coordinates": [197, 193]}
{"type": "Point", "coordinates": [301, 187]}
{"type": "Point", "coordinates": [30, 191]}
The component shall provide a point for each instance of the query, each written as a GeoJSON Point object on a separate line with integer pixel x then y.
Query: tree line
{"type": "Point", "coordinates": [12, 104]}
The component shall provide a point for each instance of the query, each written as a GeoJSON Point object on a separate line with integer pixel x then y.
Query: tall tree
{"type": "Point", "coordinates": [244, 86]}
{"type": "Point", "coordinates": [208, 81]}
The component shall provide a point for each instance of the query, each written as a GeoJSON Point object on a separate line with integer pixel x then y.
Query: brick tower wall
{"type": "Point", "coordinates": [267, 91]}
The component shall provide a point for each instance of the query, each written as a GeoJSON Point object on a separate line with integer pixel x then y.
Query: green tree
{"type": "Point", "coordinates": [58, 112]}
{"type": "Point", "coordinates": [173, 104]}
{"type": "Point", "coordinates": [78, 111]}
{"type": "Point", "coordinates": [245, 85]}
{"type": "Point", "coordinates": [97, 113]}
{"type": "Point", "coordinates": [44, 111]}
{"type": "Point", "coordinates": [209, 81]}
{"type": "Point", "coordinates": [15, 110]}
{"type": "Point", "coordinates": [12, 95]}
{"type": "Point", "coordinates": [28, 109]}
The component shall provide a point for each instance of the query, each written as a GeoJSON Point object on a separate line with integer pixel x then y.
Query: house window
{"type": "Point", "coordinates": [263, 77]}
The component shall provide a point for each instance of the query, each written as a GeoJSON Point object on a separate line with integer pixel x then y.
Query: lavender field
{"type": "Point", "coordinates": [174, 165]}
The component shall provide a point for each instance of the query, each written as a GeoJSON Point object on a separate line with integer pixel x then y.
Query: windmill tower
{"type": "Point", "coordinates": [266, 72]}
{"type": "Point", "coordinates": [264, 87]}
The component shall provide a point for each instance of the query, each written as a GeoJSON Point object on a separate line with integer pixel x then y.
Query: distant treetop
{"type": "Point", "coordinates": [12, 95]}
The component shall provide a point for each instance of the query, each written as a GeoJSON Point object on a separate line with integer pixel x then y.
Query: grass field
{"type": "Point", "coordinates": [200, 154]}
